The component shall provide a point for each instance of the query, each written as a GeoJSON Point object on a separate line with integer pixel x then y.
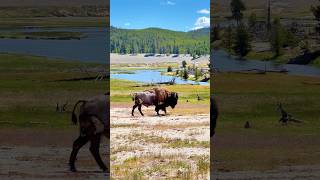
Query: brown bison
{"type": "Point", "coordinates": [94, 122]}
{"type": "Point", "coordinates": [158, 97]}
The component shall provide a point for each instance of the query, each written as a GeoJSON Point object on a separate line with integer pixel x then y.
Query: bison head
{"type": "Point", "coordinates": [172, 100]}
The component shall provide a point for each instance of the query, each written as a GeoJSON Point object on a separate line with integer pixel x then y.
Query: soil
{"type": "Point", "coordinates": [143, 138]}
{"type": "Point", "coordinates": [43, 154]}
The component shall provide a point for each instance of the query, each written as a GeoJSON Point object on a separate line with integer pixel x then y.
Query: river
{"type": "Point", "coordinates": [91, 48]}
{"type": "Point", "coordinates": [225, 63]}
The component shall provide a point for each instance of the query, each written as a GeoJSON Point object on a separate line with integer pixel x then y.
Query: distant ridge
{"type": "Point", "coordinates": [280, 8]}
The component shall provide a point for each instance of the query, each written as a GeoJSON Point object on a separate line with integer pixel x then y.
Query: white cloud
{"type": "Point", "coordinates": [127, 24]}
{"type": "Point", "coordinates": [170, 3]}
{"type": "Point", "coordinates": [202, 22]}
{"type": "Point", "coordinates": [203, 11]}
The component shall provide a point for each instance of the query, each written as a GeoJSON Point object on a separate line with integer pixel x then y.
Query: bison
{"type": "Point", "coordinates": [94, 122]}
{"type": "Point", "coordinates": [158, 97]}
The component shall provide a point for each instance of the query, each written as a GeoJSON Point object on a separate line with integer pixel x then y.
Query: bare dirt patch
{"type": "Point", "coordinates": [156, 147]}
{"type": "Point", "coordinates": [138, 59]}
{"type": "Point", "coordinates": [44, 154]}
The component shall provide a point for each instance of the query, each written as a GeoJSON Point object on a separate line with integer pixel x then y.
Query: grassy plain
{"type": "Point", "coordinates": [268, 144]}
{"type": "Point", "coordinates": [31, 86]}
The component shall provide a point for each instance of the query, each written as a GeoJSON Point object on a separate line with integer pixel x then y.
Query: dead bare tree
{"type": "Point", "coordinates": [199, 98]}
{"type": "Point", "coordinates": [286, 117]}
{"type": "Point", "coordinates": [61, 108]}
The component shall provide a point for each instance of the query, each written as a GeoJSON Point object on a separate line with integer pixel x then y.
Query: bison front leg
{"type": "Point", "coordinates": [133, 108]}
{"type": "Point", "coordinates": [157, 109]}
{"type": "Point", "coordinates": [77, 144]}
{"type": "Point", "coordinates": [165, 110]}
{"type": "Point", "coordinates": [94, 149]}
{"type": "Point", "coordinates": [140, 110]}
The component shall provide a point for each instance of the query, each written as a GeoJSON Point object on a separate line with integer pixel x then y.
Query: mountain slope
{"type": "Point", "coordinates": [162, 41]}
{"type": "Point", "coordinates": [281, 8]}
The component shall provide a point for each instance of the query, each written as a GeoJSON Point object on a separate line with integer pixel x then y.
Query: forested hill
{"type": "Point", "coordinates": [160, 41]}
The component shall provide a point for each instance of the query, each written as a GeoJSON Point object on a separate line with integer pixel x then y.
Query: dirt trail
{"type": "Point", "coordinates": [38, 154]}
{"type": "Point", "coordinates": [159, 146]}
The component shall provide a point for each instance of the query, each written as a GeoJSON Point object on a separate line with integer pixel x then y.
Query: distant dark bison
{"type": "Point", "coordinates": [213, 116]}
{"type": "Point", "coordinates": [94, 122]}
{"type": "Point", "coordinates": [158, 97]}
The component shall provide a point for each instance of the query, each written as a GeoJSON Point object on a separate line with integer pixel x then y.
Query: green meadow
{"type": "Point", "coordinates": [31, 87]}
{"type": "Point", "coordinates": [121, 91]}
{"type": "Point", "coordinates": [267, 144]}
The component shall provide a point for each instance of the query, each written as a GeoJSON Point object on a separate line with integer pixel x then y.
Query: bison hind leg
{"type": "Point", "coordinates": [133, 108]}
{"type": "Point", "coordinates": [94, 149]}
{"type": "Point", "coordinates": [139, 107]}
{"type": "Point", "coordinates": [77, 144]}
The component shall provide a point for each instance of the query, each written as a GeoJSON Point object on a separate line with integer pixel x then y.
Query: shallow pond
{"type": "Point", "coordinates": [151, 76]}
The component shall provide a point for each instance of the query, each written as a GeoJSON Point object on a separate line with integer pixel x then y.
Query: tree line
{"type": "Point", "coordinates": [237, 39]}
{"type": "Point", "coordinates": [159, 41]}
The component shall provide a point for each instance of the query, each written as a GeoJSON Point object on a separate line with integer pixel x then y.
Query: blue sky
{"type": "Point", "coordinates": [179, 15]}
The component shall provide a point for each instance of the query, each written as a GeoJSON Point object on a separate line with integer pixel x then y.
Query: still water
{"type": "Point", "coordinates": [223, 62]}
{"type": "Point", "coordinates": [91, 48]}
{"type": "Point", "coordinates": [151, 76]}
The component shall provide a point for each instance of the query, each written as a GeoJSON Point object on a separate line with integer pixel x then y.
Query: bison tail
{"type": "Point", "coordinates": [133, 96]}
{"type": "Point", "coordinates": [74, 116]}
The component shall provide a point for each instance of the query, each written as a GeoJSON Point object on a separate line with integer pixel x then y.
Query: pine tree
{"type": "Point", "coordinates": [316, 12]}
{"type": "Point", "coordinates": [277, 37]}
{"type": "Point", "coordinates": [184, 64]}
{"type": "Point", "coordinates": [185, 74]}
{"type": "Point", "coordinates": [242, 41]}
{"type": "Point", "coordinates": [228, 39]}
{"type": "Point", "coordinates": [252, 20]}
{"type": "Point", "coordinates": [237, 6]}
